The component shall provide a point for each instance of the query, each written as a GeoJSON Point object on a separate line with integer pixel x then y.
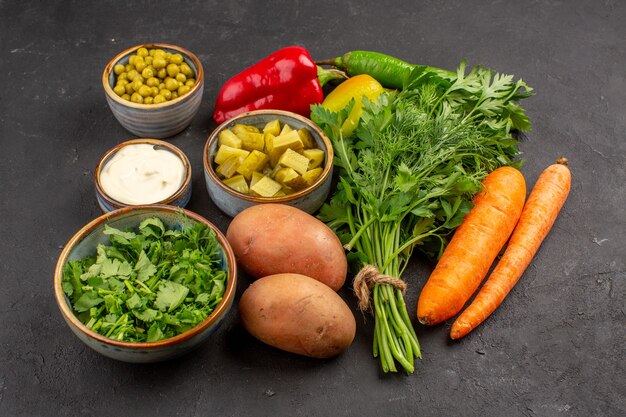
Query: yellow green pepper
{"type": "Point", "coordinates": [353, 88]}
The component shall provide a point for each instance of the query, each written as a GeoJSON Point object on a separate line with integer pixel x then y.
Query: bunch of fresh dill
{"type": "Point", "coordinates": [408, 175]}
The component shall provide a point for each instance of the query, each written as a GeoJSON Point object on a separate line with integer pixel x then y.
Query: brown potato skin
{"type": "Point", "coordinates": [274, 238]}
{"type": "Point", "coordinates": [297, 314]}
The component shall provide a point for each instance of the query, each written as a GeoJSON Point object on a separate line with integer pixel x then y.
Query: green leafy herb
{"type": "Point", "coordinates": [149, 284]}
{"type": "Point", "coordinates": [408, 175]}
{"type": "Point", "coordinates": [170, 296]}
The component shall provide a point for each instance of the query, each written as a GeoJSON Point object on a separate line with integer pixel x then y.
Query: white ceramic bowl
{"type": "Point", "coordinates": [179, 198]}
{"type": "Point", "coordinates": [84, 243]}
{"type": "Point", "coordinates": [155, 120]}
{"type": "Point", "coordinates": [233, 202]}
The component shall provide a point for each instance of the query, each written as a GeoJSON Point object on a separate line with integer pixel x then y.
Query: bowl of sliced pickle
{"type": "Point", "coordinates": [268, 156]}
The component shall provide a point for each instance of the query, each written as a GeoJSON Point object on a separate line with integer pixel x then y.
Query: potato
{"type": "Point", "coordinates": [274, 238]}
{"type": "Point", "coordinates": [297, 314]}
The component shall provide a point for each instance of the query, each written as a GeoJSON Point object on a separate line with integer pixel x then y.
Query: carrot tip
{"type": "Point", "coordinates": [562, 160]}
{"type": "Point", "coordinates": [459, 331]}
{"type": "Point", "coordinates": [423, 320]}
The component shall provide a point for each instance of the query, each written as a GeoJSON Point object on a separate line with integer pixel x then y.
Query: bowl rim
{"type": "Point", "coordinates": [328, 165]}
{"type": "Point", "coordinates": [109, 67]}
{"type": "Point", "coordinates": [219, 311]}
{"type": "Point", "coordinates": [157, 142]}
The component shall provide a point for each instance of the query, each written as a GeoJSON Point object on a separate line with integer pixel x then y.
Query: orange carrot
{"type": "Point", "coordinates": [540, 212]}
{"type": "Point", "coordinates": [474, 246]}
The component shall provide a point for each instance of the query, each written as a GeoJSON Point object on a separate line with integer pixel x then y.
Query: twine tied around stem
{"type": "Point", "coordinates": [365, 281]}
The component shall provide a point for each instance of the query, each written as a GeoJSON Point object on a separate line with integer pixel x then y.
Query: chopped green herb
{"type": "Point", "coordinates": [147, 285]}
{"type": "Point", "coordinates": [170, 296]}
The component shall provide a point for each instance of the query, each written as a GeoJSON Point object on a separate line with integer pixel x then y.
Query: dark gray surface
{"type": "Point", "coordinates": [556, 346]}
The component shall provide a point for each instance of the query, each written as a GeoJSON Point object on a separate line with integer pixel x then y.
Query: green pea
{"type": "Point", "coordinates": [126, 97]}
{"type": "Point", "coordinates": [162, 73]}
{"type": "Point", "coordinates": [137, 84]}
{"type": "Point", "coordinates": [168, 55]}
{"type": "Point", "coordinates": [122, 82]}
{"type": "Point", "coordinates": [119, 90]}
{"type": "Point", "coordinates": [171, 84]}
{"type": "Point", "coordinates": [152, 81]}
{"type": "Point", "coordinates": [151, 52]}
{"type": "Point", "coordinates": [183, 89]}
{"type": "Point", "coordinates": [129, 88]}
{"type": "Point", "coordinates": [129, 67]}
{"type": "Point", "coordinates": [136, 98]}
{"type": "Point", "coordinates": [148, 60]}
{"type": "Point", "coordinates": [123, 76]}
{"type": "Point", "coordinates": [148, 100]}
{"type": "Point", "coordinates": [147, 73]}
{"type": "Point", "coordinates": [118, 69]}
{"type": "Point", "coordinates": [176, 59]}
{"type": "Point", "coordinates": [132, 74]}
{"type": "Point", "coordinates": [161, 86]}
{"type": "Point", "coordinates": [174, 95]}
{"type": "Point", "coordinates": [132, 59]}
{"type": "Point", "coordinates": [167, 94]}
{"type": "Point", "coordinates": [140, 65]}
{"type": "Point", "coordinates": [145, 91]}
{"type": "Point", "coordinates": [154, 91]}
{"type": "Point", "coordinates": [180, 77]}
{"type": "Point", "coordinates": [186, 69]}
{"type": "Point", "coordinates": [142, 52]}
{"type": "Point", "coordinates": [159, 99]}
{"type": "Point", "coordinates": [190, 82]}
{"type": "Point", "coordinates": [159, 52]}
{"type": "Point", "coordinates": [173, 70]}
{"type": "Point", "coordinates": [159, 62]}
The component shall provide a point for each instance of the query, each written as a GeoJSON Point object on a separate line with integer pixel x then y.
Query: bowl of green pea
{"type": "Point", "coordinates": [154, 90]}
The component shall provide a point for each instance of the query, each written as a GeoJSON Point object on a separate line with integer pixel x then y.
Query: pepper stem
{"type": "Point", "coordinates": [326, 75]}
{"type": "Point", "coordinates": [333, 62]}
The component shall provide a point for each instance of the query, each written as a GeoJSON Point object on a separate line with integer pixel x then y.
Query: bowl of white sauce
{"type": "Point", "coordinates": [142, 171]}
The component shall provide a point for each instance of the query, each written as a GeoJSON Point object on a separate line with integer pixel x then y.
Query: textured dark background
{"type": "Point", "coordinates": [555, 348]}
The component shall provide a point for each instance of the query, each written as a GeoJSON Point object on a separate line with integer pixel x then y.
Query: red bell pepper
{"type": "Point", "coordinates": [288, 80]}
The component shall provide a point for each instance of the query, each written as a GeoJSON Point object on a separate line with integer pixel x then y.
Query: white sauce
{"type": "Point", "coordinates": [141, 174]}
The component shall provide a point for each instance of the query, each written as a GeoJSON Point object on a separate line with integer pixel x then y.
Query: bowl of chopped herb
{"type": "Point", "coordinates": [145, 283]}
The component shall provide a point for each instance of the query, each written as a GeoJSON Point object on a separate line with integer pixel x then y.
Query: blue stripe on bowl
{"type": "Point", "coordinates": [158, 122]}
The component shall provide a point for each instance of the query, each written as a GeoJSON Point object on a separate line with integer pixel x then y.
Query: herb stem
{"type": "Point", "coordinates": [385, 354]}
{"type": "Point", "coordinates": [393, 346]}
{"type": "Point", "coordinates": [145, 287]}
{"type": "Point", "coordinates": [131, 289]}
{"type": "Point", "coordinates": [408, 244]}
{"type": "Point", "coordinates": [356, 236]}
